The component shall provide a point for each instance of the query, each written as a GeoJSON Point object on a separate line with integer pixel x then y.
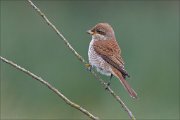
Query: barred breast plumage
{"type": "Point", "coordinates": [96, 61]}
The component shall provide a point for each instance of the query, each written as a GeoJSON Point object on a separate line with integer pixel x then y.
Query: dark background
{"type": "Point", "coordinates": [147, 32]}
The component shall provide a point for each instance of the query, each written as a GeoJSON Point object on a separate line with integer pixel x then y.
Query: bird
{"type": "Point", "coordinates": [104, 54]}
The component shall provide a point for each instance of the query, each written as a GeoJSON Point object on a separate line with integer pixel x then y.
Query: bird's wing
{"type": "Point", "coordinates": [110, 52]}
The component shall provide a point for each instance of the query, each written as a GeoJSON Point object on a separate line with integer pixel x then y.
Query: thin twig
{"type": "Point", "coordinates": [82, 60]}
{"type": "Point", "coordinates": [56, 91]}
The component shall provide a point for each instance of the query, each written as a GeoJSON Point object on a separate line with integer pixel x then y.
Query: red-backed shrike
{"type": "Point", "coordinates": [105, 54]}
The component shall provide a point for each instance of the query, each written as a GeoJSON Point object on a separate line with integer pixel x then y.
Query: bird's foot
{"type": "Point", "coordinates": [109, 83]}
{"type": "Point", "coordinates": [88, 66]}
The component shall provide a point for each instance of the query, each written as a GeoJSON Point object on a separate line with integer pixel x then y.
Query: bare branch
{"type": "Point", "coordinates": [56, 91]}
{"type": "Point", "coordinates": [82, 60]}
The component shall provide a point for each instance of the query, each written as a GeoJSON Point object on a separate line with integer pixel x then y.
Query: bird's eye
{"type": "Point", "coordinates": [100, 32]}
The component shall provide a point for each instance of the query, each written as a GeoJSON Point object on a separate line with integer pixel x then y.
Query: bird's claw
{"type": "Point", "coordinates": [107, 85]}
{"type": "Point", "coordinates": [88, 66]}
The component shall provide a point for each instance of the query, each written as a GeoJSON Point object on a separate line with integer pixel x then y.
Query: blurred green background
{"type": "Point", "coordinates": [147, 32]}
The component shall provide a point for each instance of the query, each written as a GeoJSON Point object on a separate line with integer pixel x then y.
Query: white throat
{"type": "Point", "coordinates": [98, 37]}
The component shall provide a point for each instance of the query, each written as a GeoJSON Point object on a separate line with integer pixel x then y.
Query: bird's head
{"type": "Point", "coordinates": [102, 31]}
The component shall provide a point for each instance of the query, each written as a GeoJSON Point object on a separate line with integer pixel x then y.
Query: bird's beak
{"type": "Point", "coordinates": [90, 32]}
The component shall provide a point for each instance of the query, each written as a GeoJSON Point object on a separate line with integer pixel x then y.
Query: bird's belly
{"type": "Point", "coordinates": [96, 61]}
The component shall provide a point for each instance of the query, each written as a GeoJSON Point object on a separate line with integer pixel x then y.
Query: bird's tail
{"type": "Point", "coordinates": [131, 92]}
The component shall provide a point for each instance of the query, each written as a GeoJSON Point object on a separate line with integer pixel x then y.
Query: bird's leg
{"type": "Point", "coordinates": [88, 66]}
{"type": "Point", "coordinates": [109, 83]}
